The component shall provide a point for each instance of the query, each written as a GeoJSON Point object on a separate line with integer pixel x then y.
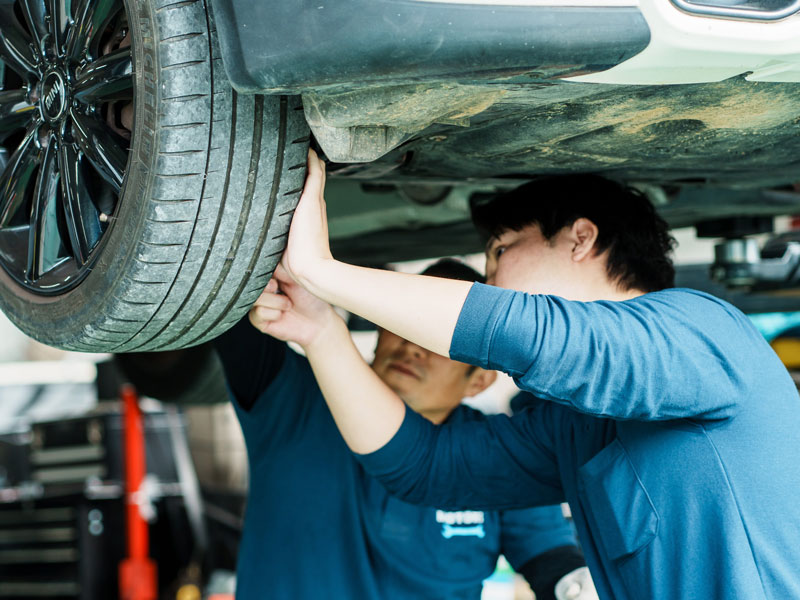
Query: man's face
{"type": "Point", "coordinates": [524, 260]}
{"type": "Point", "coordinates": [429, 383]}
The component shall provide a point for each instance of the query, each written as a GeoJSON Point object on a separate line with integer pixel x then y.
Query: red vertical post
{"type": "Point", "coordinates": [137, 573]}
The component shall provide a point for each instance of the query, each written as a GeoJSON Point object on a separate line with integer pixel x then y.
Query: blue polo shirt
{"type": "Point", "coordinates": [671, 427]}
{"type": "Point", "coordinates": [317, 526]}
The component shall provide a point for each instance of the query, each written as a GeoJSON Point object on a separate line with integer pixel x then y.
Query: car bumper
{"type": "Point", "coordinates": [295, 46]}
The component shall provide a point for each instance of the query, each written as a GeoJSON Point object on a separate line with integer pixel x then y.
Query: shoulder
{"type": "Point", "coordinates": [705, 309]}
{"type": "Point", "coordinates": [685, 297]}
{"type": "Point", "coordinates": [465, 414]}
{"type": "Point", "coordinates": [689, 307]}
{"type": "Point", "coordinates": [530, 412]}
{"type": "Point", "coordinates": [295, 372]}
{"type": "Point", "coordinates": [296, 361]}
{"type": "Point", "coordinates": [292, 390]}
{"type": "Point", "coordinates": [523, 400]}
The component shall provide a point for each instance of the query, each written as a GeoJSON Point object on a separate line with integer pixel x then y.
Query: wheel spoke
{"type": "Point", "coordinates": [63, 164]}
{"type": "Point", "coordinates": [90, 16]}
{"type": "Point", "coordinates": [59, 20]}
{"type": "Point", "coordinates": [102, 147]}
{"type": "Point", "coordinates": [15, 111]}
{"type": "Point", "coordinates": [83, 223]}
{"type": "Point", "coordinates": [44, 240]}
{"type": "Point", "coordinates": [109, 78]}
{"type": "Point", "coordinates": [15, 47]}
{"type": "Point", "coordinates": [17, 176]}
{"type": "Point", "coordinates": [34, 13]}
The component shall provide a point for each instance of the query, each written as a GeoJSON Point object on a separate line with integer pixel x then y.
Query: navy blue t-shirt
{"type": "Point", "coordinates": [317, 526]}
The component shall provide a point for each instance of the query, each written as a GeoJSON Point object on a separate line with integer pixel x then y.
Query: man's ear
{"type": "Point", "coordinates": [479, 380]}
{"type": "Point", "coordinates": [583, 234]}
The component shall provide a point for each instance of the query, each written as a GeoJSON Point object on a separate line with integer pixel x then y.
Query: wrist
{"type": "Point", "coordinates": [327, 336]}
{"type": "Point", "coordinates": [312, 275]}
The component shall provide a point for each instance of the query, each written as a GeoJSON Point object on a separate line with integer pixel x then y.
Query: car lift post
{"type": "Point", "coordinates": [137, 573]}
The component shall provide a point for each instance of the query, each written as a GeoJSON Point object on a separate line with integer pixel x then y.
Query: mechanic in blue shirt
{"type": "Point", "coordinates": [317, 526]}
{"type": "Point", "coordinates": [669, 425]}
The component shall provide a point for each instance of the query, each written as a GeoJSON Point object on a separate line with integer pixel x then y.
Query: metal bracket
{"type": "Point", "coordinates": [739, 264]}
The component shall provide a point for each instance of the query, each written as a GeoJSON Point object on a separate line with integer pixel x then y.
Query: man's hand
{"type": "Point", "coordinates": [421, 309]}
{"type": "Point", "coordinates": [576, 585]}
{"type": "Point", "coordinates": [308, 250]}
{"type": "Point", "coordinates": [288, 312]}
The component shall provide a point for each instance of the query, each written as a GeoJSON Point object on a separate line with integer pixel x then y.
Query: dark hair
{"type": "Point", "coordinates": [636, 237]}
{"type": "Point", "coordinates": [450, 268]}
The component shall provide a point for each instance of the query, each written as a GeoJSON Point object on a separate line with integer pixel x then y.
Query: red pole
{"type": "Point", "coordinates": [137, 573]}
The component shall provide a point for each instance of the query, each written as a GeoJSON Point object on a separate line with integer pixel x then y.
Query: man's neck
{"type": "Point", "coordinates": [602, 289]}
{"type": "Point", "coordinates": [617, 295]}
{"type": "Point", "coordinates": [594, 284]}
{"type": "Point", "coordinates": [437, 416]}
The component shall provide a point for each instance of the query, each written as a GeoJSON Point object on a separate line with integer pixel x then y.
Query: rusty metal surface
{"type": "Point", "coordinates": [732, 134]}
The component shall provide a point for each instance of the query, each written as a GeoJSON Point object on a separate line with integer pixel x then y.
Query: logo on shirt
{"type": "Point", "coordinates": [461, 523]}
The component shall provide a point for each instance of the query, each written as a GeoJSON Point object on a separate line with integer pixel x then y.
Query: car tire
{"type": "Point", "coordinates": [203, 209]}
{"type": "Point", "coordinates": [187, 376]}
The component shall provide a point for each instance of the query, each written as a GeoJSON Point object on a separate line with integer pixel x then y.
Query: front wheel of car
{"type": "Point", "coordinates": [143, 203]}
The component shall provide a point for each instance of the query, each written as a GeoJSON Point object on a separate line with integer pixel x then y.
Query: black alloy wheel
{"type": "Point", "coordinates": [144, 204]}
{"type": "Point", "coordinates": [63, 161]}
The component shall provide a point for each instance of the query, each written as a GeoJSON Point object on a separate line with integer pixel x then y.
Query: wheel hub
{"type": "Point", "coordinates": [54, 97]}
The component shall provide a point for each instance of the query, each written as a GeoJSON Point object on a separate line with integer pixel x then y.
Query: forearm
{"type": "Point", "coordinates": [495, 463]}
{"type": "Point", "coordinates": [366, 411]}
{"type": "Point", "coordinates": [421, 309]}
